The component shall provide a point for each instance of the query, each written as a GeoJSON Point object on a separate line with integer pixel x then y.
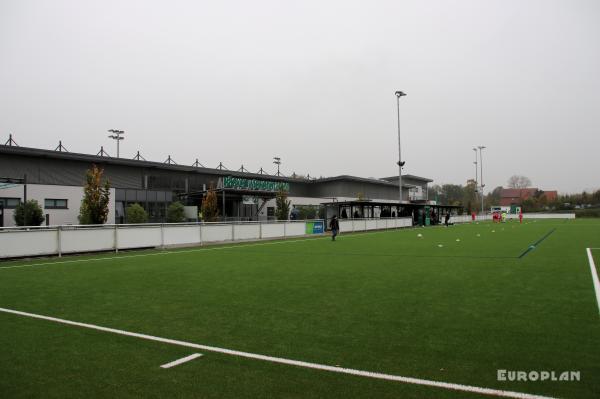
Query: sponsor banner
{"type": "Point", "coordinates": [254, 184]}
{"type": "Point", "coordinates": [315, 227]}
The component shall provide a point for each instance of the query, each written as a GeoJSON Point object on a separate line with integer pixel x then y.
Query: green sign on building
{"type": "Point", "coordinates": [254, 184]}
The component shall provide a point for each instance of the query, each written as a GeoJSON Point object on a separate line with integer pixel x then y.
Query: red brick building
{"type": "Point", "coordinates": [516, 196]}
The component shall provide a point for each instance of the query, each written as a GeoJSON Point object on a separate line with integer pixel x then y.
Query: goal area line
{"type": "Point", "coordinates": [290, 362]}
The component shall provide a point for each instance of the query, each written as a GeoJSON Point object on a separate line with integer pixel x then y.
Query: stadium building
{"type": "Point", "coordinates": [56, 178]}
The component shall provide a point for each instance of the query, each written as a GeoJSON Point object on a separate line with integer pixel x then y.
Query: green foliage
{"type": "Point", "coordinates": [471, 196]}
{"type": "Point", "coordinates": [136, 214]}
{"type": "Point", "coordinates": [176, 213]}
{"type": "Point", "coordinates": [28, 214]}
{"type": "Point", "coordinates": [283, 205]}
{"type": "Point", "coordinates": [209, 208]}
{"type": "Point", "coordinates": [94, 206]}
{"type": "Point", "coordinates": [588, 213]}
{"type": "Point", "coordinates": [493, 197]}
{"type": "Point", "coordinates": [307, 212]}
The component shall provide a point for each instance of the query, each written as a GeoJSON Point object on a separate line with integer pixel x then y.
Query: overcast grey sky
{"type": "Point", "coordinates": [313, 82]}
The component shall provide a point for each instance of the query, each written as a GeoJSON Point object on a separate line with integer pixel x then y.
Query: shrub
{"type": "Point", "coordinates": [210, 210]}
{"type": "Point", "coordinates": [136, 214]}
{"type": "Point", "coordinates": [94, 206]}
{"type": "Point", "coordinates": [176, 213]}
{"type": "Point", "coordinates": [588, 213]}
{"type": "Point", "coordinates": [283, 205]}
{"type": "Point", "coordinates": [28, 214]}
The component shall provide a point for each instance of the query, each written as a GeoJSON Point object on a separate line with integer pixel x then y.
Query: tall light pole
{"type": "Point", "coordinates": [476, 180]}
{"type": "Point", "coordinates": [476, 173]}
{"type": "Point", "coordinates": [400, 163]}
{"type": "Point", "coordinates": [116, 135]}
{"type": "Point", "coordinates": [481, 148]}
{"type": "Point", "coordinates": [277, 161]}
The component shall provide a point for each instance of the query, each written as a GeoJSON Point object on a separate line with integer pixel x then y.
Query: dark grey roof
{"type": "Point", "coordinates": [40, 153]}
{"type": "Point", "coordinates": [361, 180]}
{"type": "Point", "coordinates": [413, 177]}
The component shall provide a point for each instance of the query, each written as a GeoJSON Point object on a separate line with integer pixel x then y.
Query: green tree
{"type": "Point", "coordinates": [470, 195]}
{"type": "Point", "coordinates": [283, 205]}
{"type": "Point", "coordinates": [136, 214]}
{"type": "Point", "coordinates": [493, 197]}
{"type": "Point", "coordinates": [94, 206]}
{"type": "Point", "coordinates": [176, 213]}
{"type": "Point", "coordinates": [308, 212]}
{"type": "Point", "coordinates": [453, 193]}
{"type": "Point", "coordinates": [209, 207]}
{"type": "Point", "coordinates": [28, 214]}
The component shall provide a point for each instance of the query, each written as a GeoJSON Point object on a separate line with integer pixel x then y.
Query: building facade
{"type": "Point", "coordinates": [55, 179]}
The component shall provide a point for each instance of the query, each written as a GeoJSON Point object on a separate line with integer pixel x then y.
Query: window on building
{"type": "Point", "coordinates": [52, 203]}
{"type": "Point", "coordinates": [10, 203]}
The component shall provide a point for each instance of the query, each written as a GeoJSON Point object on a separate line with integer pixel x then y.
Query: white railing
{"type": "Point", "coordinates": [351, 225]}
{"type": "Point", "coordinates": [57, 240]}
{"type": "Point", "coordinates": [534, 215]}
{"type": "Point", "coordinates": [468, 218]}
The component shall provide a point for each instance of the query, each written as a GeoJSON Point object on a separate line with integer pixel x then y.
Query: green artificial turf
{"type": "Point", "coordinates": [387, 301]}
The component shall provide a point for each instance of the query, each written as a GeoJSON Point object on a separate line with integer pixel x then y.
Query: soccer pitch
{"type": "Point", "coordinates": [386, 314]}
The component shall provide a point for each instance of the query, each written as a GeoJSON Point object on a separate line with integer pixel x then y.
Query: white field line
{"type": "Point", "coordinates": [180, 361]}
{"type": "Point", "coordinates": [187, 250]}
{"type": "Point", "coordinates": [297, 363]}
{"type": "Point", "coordinates": [594, 276]}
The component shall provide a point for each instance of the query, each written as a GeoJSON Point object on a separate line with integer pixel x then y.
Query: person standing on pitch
{"type": "Point", "coordinates": [334, 225]}
{"type": "Point", "coordinates": [521, 216]}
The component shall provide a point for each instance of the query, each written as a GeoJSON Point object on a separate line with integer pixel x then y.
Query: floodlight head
{"type": "Point", "coordinates": [400, 94]}
{"type": "Point", "coordinates": [481, 147]}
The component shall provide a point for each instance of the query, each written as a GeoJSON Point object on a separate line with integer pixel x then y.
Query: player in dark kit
{"type": "Point", "coordinates": [334, 225]}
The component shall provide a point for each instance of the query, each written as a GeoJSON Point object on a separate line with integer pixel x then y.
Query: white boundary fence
{"type": "Point", "coordinates": [350, 225]}
{"type": "Point", "coordinates": [544, 216]}
{"type": "Point", "coordinates": [467, 218]}
{"type": "Point", "coordinates": [57, 240]}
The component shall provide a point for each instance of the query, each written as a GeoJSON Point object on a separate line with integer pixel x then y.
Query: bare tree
{"type": "Point", "coordinates": [516, 181]}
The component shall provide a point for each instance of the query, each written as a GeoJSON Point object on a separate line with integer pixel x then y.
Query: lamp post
{"type": "Point", "coordinates": [400, 163]}
{"type": "Point", "coordinates": [116, 135]}
{"type": "Point", "coordinates": [277, 161]}
{"type": "Point", "coordinates": [476, 173]}
{"type": "Point", "coordinates": [481, 148]}
{"type": "Point", "coordinates": [476, 179]}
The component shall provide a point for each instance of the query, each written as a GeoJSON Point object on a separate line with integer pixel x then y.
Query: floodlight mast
{"type": "Point", "coordinates": [481, 148]}
{"type": "Point", "coordinates": [116, 136]}
{"type": "Point", "coordinates": [476, 172]}
{"type": "Point", "coordinates": [400, 163]}
{"type": "Point", "coordinates": [277, 161]}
